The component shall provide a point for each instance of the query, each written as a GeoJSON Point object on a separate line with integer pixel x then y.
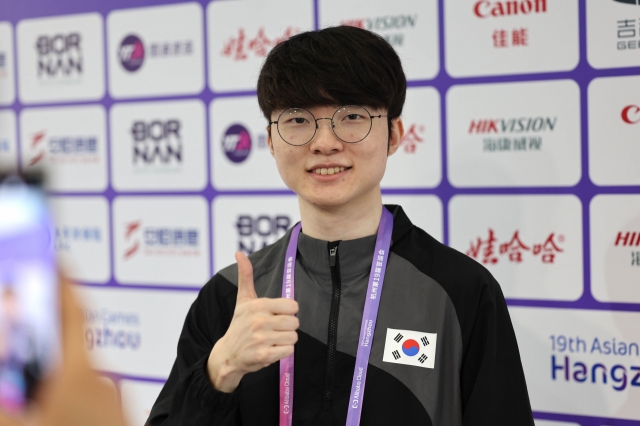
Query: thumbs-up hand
{"type": "Point", "coordinates": [261, 332]}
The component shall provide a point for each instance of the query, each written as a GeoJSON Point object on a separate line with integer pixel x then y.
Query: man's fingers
{"type": "Point", "coordinates": [246, 290]}
{"type": "Point", "coordinates": [280, 306]}
{"type": "Point", "coordinates": [285, 338]}
{"type": "Point", "coordinates": [285, 323]}
{"type": "Point", "coordinates": [279, 352]}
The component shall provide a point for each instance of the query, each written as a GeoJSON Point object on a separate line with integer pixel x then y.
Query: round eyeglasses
{"type": "Point", "coordinates": [350, 124]}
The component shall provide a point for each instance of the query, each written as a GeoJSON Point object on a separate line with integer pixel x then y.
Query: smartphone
{"type": "Point", "coordinates": [29, 305]}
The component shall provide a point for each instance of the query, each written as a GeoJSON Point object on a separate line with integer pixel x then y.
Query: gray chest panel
{"type": "Point", "coordinates": [410, 301]}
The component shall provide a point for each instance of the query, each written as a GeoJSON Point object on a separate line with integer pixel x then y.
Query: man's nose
{"type": "Point", "coordinates": [325, 140]}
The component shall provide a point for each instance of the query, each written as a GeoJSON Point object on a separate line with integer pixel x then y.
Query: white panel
{"type": "Point", "coordinates": [418, 161]}
{"type": "Point", "coordinates": [489, 37]}
{"type": "Point", "coordinates": [410, 26]}
{"type": "Point", "coordinates": [552, 423]}
{"type": "Point", "coordinates": [614, 129]}
{"type": "Point", "coordinates": [67, 142]}
{"type": "Point", "coordinates": [134, 332]}
{"type": "Point", "coordinates": [159, 146]}
{"type": "Point", "coordinates": [570, 343]}
{"type": "Point", "coordinates": [424, 211]}
{"type": "Point", "coordinates": [615, 248]}
{"type": "Point", "coordinates": [8, 140]}
{"type": "Point", "coordinates": [514, 134]}
{"type": "Point", "coordinates": [137, 400]}
{"type": "Point", "coordinates": [239, 41]}
{"type": "Point", "coordinates": [613, 33]}
{"type": "Point", "coordinates": [61, 58]}
{"type": "Point", "coordinates": [532, 244]}
{"type": "Point", "coordinates": [240, 157]}
{"type": "Point", "coordinates": [156, 51]}
{"type": "Point", "coordinates": [81, 237]}
{"type": "Point", "coordinates": [7, 78]}
{"type": "Point", "coordinates": [161, 240]}
{"type": "Point", "coordinates": [248, 223]}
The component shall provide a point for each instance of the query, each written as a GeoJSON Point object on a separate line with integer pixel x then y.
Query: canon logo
{"type": "Point", "coordinates": [485, 9]}
{"type": "Point", "coordinates": [631, 114]}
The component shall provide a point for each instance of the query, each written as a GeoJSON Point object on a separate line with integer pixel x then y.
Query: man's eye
{"type": "Point", "coordinates": [300, 120]}
{"type": "Point", "coordinates": [353, 117]}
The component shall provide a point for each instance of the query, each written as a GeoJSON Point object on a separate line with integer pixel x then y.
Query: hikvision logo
{"type": "Point", "coordinates": [63, 149]}
{"type": "Point", "coordinates": [628, 239]}
{"type": "Point", "coordinates": [385, 23]}
{"type": "Point", "coordinates": [631, 114]}
{"type": "Point", "coordinates": [485, 9]}
{"type": "Point", "coordinates": [513, 125]}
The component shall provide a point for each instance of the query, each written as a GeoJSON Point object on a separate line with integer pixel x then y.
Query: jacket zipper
{"type": "Point", "coordinates": [333, 324]}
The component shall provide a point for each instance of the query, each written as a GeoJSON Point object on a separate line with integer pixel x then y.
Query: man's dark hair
{"type": "Point", "coordinates": [334, 66]}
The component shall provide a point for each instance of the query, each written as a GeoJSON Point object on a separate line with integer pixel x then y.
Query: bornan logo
{"type": "Point", "coordinates": [59, 56]}
{"type": "Point", "coordinates": [157, 142]}
{"type": "Point", "coordinates": [159, 241]}
{"type": "Point", "coordinates": [631, 114]}
{"type": "Point", "coordinates": [487, 9]}
{"type": "Point", "coordinates": [63, 149]}
{"type": "Point", "coordinates": [488, 250]}
{"type": "Point", "coordinates": [236, 143]}
{"type": "Point", "coordinates": [131, 53]}
{"type": "Point", "coordinates": [383, 24]}
{"type": "Point", "coordinates": [257, 232]}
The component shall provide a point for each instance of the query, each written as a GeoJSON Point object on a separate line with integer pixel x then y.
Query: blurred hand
{"type": "Point", "coordinates": [74, 395]}
{"type": "Point", "coordinates": [262, 331]}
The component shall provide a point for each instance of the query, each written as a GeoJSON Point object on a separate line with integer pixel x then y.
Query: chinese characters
{"type": "Point", "coordinates": [489, 251]}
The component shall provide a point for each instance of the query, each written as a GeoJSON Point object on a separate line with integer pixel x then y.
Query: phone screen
{"type": "Point", "coordinates": [29, 322]}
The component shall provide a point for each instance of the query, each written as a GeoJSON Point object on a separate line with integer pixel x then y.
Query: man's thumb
{"type": "Point", "coordinates": [246, 290]}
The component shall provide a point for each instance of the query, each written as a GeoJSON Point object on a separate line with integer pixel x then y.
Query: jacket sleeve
{"type": "Point", "coordinates": [188, 397]}
{"type": "Point", "coordinates": [494, 391]}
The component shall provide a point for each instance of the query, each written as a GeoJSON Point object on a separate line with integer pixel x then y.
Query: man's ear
{"type": "Point", "coordinates": [269, 141]}
{"type": "Point", "coordinates": [397, 132]}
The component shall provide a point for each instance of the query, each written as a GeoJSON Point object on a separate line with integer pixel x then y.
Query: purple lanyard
{"type": "Point", "coordinates": [371, 304]}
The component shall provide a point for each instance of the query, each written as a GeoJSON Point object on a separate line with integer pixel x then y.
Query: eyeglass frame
{"type": "Point", "coordinates": [371, 117]}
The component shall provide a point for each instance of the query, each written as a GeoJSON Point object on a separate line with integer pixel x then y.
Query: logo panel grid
{"type": "Point", "coordinates": [497, 161]}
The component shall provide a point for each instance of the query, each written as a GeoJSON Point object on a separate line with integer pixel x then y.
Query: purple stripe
{"type": "Point", "coordinates": [371, 305]}
{"type": "Point", "coordinates": [286, 364]}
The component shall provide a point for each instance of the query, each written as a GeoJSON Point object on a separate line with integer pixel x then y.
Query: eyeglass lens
{"type": "Point", "coordinates": [350, 124]}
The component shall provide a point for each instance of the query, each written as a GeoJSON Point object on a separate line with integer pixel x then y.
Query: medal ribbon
{"type": "Point", "coordinates": [367, 329]}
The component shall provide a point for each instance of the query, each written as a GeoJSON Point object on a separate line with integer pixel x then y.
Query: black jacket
{"type": "Point", "coordinates": [477, 378]}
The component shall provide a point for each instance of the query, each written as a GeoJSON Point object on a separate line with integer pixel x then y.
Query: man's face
{"type": "Point", "coordinates": [360, 165]}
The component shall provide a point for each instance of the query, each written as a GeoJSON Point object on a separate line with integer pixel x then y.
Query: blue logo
{"type": "Point", "coordinates": [236, 143]}
{"type": "Point", "coordinates": [131, 53]}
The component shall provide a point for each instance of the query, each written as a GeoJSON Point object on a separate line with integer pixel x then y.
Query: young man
{"type": "Point", "coordinates": [435, 346]}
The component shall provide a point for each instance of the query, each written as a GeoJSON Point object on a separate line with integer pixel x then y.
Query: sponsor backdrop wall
{"type": "Point", "coordinates": [522, 150]}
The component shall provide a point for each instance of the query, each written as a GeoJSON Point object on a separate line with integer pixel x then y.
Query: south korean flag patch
{"type": "Point", "coordinates": [410, 348]}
